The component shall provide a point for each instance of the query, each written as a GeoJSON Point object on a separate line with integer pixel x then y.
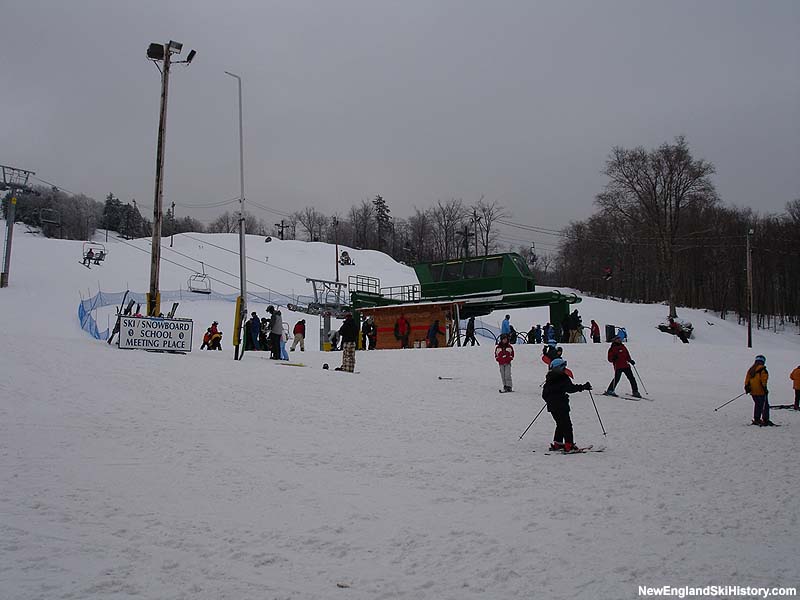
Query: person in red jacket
{"type": "Point", "coordinates": [504, 354]}
{"type": "Point", "coordinates": [619, 356]}
{"type": "Point", "coordinates": [299, 334]}
{"type": "Point", "coordinates": [795, 377]}
{"type": "Point", "coordinates": [594, 331]}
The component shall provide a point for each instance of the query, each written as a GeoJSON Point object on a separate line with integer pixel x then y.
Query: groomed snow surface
{"type": "Point", "coordinates": [128, 474]}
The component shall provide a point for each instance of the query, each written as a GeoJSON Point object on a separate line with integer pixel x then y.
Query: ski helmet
{"type": "Point", "coordinates": [761, 358]}
{"type": "Point", "coordinates": [558, 363]}
{"type": "Point", "coordinates": [325, 366]}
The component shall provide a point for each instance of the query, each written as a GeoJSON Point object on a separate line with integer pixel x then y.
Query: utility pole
{"type": "Point", "coordinates": [466, 235]}
{"type": "Point", "coordinates": [336, 241]}
{"type": "Point", "coordinates": [172, 217]}
{"type": "Point", "coordinates": [475, 218]}
{"type": "Point", "coordinates": [163, 53]}
{"type": "Point", "coordinates": [13, 179]}
{"type": "Point", "coordinates": [749, 291]}
{"type": "Point", "coordinates": [281, 227]}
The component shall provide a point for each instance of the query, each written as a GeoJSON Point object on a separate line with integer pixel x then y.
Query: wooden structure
{"type": "Point", "coordinates": [420, 315]}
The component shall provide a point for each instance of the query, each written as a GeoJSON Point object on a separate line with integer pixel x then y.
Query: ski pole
{"type": "Point", "coordinates": [729, 401]}
{"type": "Point", "coordinates": [534, 418]}
{"type": "Point", "coordinates": [598, 413]}
{"type": "Point", "coordinates": [640, 378]}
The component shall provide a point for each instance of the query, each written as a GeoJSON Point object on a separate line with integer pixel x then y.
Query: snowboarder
{"type": "Point", "coordinates": [349, 334]}
{"type": "Point", "coordinates": [556, 390]}
{"type": "Point", "coordinates": [284, 353]}
{"type": "Point", "coordinates": [434, 331]}
{"type": "Point", "coordinates": [299, 333]}
{"type": "Point", "coordinates": [206, 339]}
{"type": "Point", "coordinates": [402, 329]}
{"type": "Point", "coordinates": [619, 356]}
{"type": "Point", "coordinates": [470, 336]}
{"type": "Point", "coordinates": [795, 377]}
{"type": "Point", "coordinates": [594, 331]}
{"type": "Point", "coordinates": [504, 354]}
{"type": "Point", "coordinates": [755, 384]}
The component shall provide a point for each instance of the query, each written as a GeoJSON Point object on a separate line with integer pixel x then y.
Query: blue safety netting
{"type": "Point", "coordinates": [101, 299]}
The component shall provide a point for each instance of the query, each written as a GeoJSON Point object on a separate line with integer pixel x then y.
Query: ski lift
{"type": "Point", "coordinates": [49, 216]}
{"type": "Point", "coordinates": [200, 283]}
{"type": "Point", "coordinates": [93, 252]}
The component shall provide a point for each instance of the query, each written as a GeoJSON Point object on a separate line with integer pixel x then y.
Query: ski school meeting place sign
{"type": "Point", "coordinates": [157, 334]}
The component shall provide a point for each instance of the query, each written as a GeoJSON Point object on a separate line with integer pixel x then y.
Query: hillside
{"type": "Point", "coordinates": [132, 474]}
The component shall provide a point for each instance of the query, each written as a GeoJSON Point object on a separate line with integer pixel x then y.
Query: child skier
{"type": "Point", "coordinates": [795, 377]}
{"type": "Point", "coordinates": [755, 384]}
{"type": "Point", "coordinates": [504, 354]}
{"type": "Point", "coordinates": [619, 356]}
{"type": "Point", "coordinates": [557, 386]}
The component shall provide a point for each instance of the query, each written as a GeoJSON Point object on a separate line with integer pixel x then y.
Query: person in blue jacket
{"type": "Point", "coordinates": [505, 326]}
{"type": "Point", "coordinates": [253, 331]}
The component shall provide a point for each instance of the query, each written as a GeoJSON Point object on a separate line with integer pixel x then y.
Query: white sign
{"type": "Point", "coordinates": [152, 333]}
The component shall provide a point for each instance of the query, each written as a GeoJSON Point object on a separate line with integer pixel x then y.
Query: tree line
{"type": "Point", "coordinates": [661, 234]}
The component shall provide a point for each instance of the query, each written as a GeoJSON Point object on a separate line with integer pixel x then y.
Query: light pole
{"type": "Point", "coordinates": [160, 53]}
{"type": "Point", "coordinates": [749, 291]}
{"type": "Point", "coordinates": [242, 253]}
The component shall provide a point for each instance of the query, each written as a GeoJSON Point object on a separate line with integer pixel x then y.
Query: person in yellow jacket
{"type": "Point", "coordinates": [795, 377]}
{"type": "Point", "coordinates": [755, 384]}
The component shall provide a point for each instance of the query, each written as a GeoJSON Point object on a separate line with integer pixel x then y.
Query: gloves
{"type": "Point", "coordinates": [587, 386]}
{"type": "Point", "coordinates": [633, 362]}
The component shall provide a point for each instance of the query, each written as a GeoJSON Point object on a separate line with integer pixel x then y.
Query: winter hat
{"type": "Point", "coordinates": [558, 363]}
{"type": "Point", "coordinates": [761, 358]}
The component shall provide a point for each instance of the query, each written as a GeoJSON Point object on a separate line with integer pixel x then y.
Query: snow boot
{"type": "Point", "coordinates": [556, 446]}
{"type": "Point", "coordinates": [508, 388]}
{"type": "Point", "coordinates": [767, 423]}
{"type": "Point", "coordinates": [610, 393]}
{"type": "Point", "coordinates": [636, 394]}
{"type": "Point", "coordinates": [571, 447]}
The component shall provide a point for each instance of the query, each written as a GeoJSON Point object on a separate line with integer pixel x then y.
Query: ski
{"type": "Point", "coordinates": [446, 378]}
{"type": "Point", "coordinates": [781, 406]}
{"type": "Point", "coordinates": [583, 450]}
{"type": "Point", "coordinates": [120, 313]}
{"type": "Point", "coordinates": [292, 364]}
{"type": "Point", "coordinates": [505, 391]}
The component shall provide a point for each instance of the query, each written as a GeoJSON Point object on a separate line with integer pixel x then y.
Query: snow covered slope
{"type": "Point", "coordinates": [132, 474]}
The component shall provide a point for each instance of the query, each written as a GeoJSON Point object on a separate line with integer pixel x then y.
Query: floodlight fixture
{"type": "Point", "coordinates": [155, 52]}
{"type": "Point", "coordinates": [190, 57]}
{"type": "Point", "coordinates": [175, 47]}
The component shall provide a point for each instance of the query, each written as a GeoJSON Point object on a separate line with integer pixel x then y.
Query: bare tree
{"type": "Point", "coordinates": [487, 214]}
{"type": "Point", "coordinates": [361, 218]}
{"type": "Point", "coordinates": [225, 223]}
{"type": "Point", "coordinates": [655, 188]}
{"type": "Point", "coordinates": [447, 217]}
{"type": "Point", "coordinates": [313, 222]}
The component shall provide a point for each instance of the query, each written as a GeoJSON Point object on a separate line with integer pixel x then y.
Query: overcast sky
{"type": "Point", "coordinates": [519, 101]}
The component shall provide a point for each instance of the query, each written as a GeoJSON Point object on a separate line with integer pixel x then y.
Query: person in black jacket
{"type": "Point", "coordinates": [349, 335]}
{"type": "Point", "coordinates": [470, 337]}
{"type": "Point", "coordinates": [557, 386]}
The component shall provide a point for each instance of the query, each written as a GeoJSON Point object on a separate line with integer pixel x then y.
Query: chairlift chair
{"type": "Point", "coordinates": [98, 252]}
{"type": "Point", "coordinates": [200, 283]}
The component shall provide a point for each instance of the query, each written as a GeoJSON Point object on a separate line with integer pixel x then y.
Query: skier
{"type": "Point", "coordinates": [334, 339]}
{"type": "Point", "coordinates": [619, 356]}
{"type": "Point", "coordinates": [402, 329]}
{"type": "Point", "coordinates": [349, 333]}
{"type": "Point", "coordinates": [548, 333]}
{"type": "Point", "coordinates": [263, 335]}
{"type": "Point", "coordinates": [433, 334]}
{"type": "Point", "coordinates": [299, 333]}
{"type": "Point", "coordinates": [755, 384]}
{"type": "Point", "coordinates": [505, 326]}
{"type": "Point", "coordinates": [576, 327]}
{"type": "Point", "coordinates": [566, 329]}
{"type": "Point", "coordinates": [470, 337]}
{"type": "Point", "coordinates": [795, 377]}
{"type": "Point", "coordinates": [504, 354]}
{"type": "Point", "coordinates": [88, 258]}
{"type": "Point", "coordinates": [594, 331]}
{"type": "Point", "coordinates": [284, 339]}
{"type": "Point", "coordinates": [512, 335]}
{"type": "Point", "coordinates": [557, 386]}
